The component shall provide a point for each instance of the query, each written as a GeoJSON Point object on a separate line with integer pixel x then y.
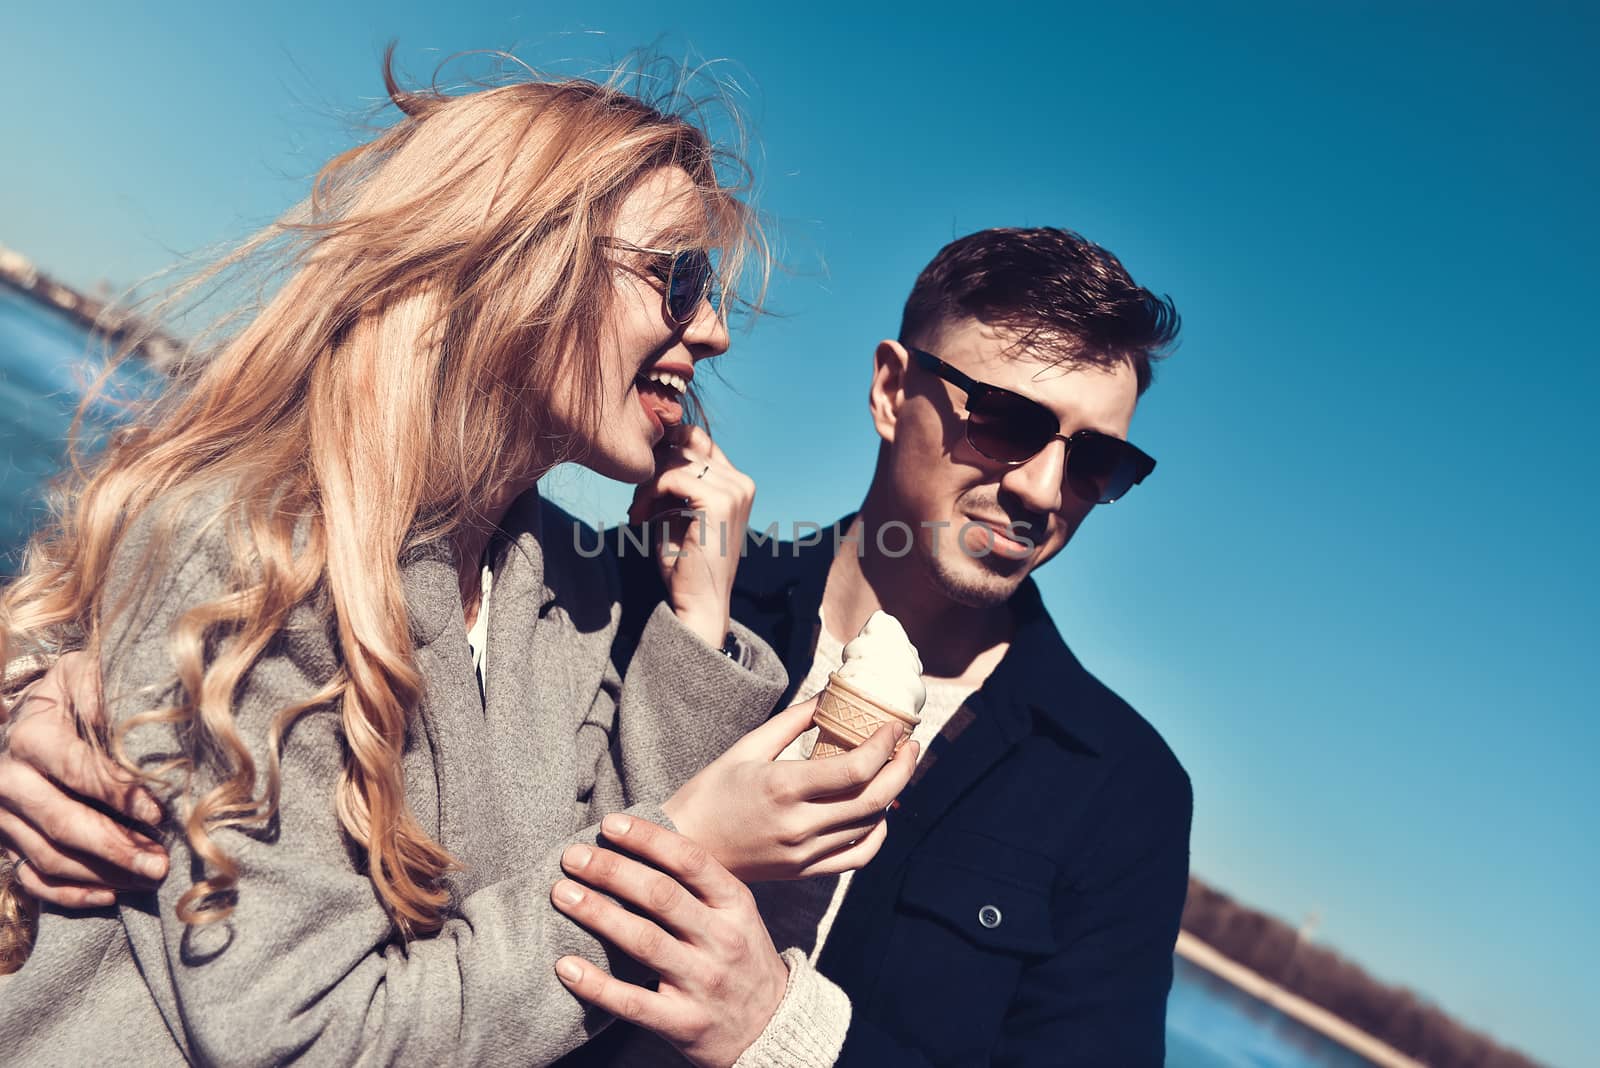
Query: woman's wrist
{"type": "Point", "coordinates": [713, 628]}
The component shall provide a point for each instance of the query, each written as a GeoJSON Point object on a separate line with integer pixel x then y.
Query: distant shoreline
{"type": "Point", "coordinates": [1312, 983]}
{"type": "Point", "coordinates": [1293, 1006]}
{"type": "Point", "coordinates": [95, 315]}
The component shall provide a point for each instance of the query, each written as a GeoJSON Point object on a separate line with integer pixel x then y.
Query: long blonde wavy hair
{"type": "Point", "coordinates": [438, 283]}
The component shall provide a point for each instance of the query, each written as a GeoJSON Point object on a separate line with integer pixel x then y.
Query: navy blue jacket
{"type": "Point", "coordinates": [1024, 906]}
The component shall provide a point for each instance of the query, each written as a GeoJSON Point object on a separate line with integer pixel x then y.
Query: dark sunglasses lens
{"type": "Point", "coordinates": [689, 285]}
{"type": "Point", "coordinates": [1100, 468]}
{"type": "Point", "coordinates": [1009, 429]}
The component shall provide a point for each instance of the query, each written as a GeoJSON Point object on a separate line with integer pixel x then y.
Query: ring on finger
{"type": "Point", "coordinates": [16, 867]}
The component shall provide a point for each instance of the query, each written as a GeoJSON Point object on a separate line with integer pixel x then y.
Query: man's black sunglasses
{"type": "Point", "coordinates": [687, 275]}
{"type": "Point", "coordinates": [1012, 429]}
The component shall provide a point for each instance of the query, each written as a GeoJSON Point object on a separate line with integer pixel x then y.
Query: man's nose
{"type": "Point", "coordinates": [707, 333]}
{"type": "Point", "coordinates": [1038, 482]}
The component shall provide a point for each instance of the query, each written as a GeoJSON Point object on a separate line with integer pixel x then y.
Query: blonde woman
{"type": "Point", "coordinates": [365, 668]}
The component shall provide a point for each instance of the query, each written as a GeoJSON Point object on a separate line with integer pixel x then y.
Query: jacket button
{"type": "Point", "coordinates": [989, 916]}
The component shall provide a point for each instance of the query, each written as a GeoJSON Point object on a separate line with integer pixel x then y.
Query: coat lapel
{"type": "Point", "coordinates": [989, 729]}
{"type": "Point", "coordinates": [548, 644]}
{"type": "Point", "coordinates": [524, 687]}
{"type": "Point", "coordinates": [453, 813]}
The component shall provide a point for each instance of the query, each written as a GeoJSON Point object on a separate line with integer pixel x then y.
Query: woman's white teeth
{"type": "Point", "coordinates": [665, 378]}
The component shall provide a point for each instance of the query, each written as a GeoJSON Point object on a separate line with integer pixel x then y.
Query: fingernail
{"type": "Point", "coordinates": [615, 824]}
{"type": "Point", "coordinates": [150, 865]}
{"type": "Point", "coordinates": [894, 804]}
{"type": "Point", "coordinates": [99, 898]}
{"type": "Point", "coordinates": [569, 893]}
{"type": "Point", "coordinates": [577, 856]}
{"type": "Point", "coordinates": [146, 811]}
{"type": "Point", "coordinates": [569, 970]}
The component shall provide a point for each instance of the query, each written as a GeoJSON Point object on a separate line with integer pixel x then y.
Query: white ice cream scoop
{"type": "Point", "coordinates": [882, 663]}
{"type": "Point", "coordinates": [879, 682]}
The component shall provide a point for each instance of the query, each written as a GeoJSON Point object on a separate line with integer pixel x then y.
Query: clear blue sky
{"type": "Point", "coordinates": [1356, 594]}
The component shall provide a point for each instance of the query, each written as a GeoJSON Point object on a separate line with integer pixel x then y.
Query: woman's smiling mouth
{"type": "Point", "coordinates": [661, 393]}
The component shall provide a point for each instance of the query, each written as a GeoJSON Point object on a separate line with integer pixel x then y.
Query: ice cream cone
{"type": "Point", "coordinates": [847, 717]}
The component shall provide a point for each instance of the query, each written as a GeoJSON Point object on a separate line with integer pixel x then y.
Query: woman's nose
{"type": "Point", "coordinates": [707, 333]}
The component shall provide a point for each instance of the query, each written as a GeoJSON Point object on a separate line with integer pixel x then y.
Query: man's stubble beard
{"type": "Point", "coordinates": [968, 581]}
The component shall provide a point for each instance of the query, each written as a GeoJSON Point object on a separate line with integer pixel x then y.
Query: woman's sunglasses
{"type": "Point", "coordinates": [1011, 429]}
{"type": "Point", "coordinates": [687, 275]}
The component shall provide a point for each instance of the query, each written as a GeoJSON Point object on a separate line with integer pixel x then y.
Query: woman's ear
{"type": "Point", "coordinates": [889, 364]}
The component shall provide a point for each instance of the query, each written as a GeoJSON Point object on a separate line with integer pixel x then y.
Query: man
{"type": "Point", "coordinates": [1024, 906]}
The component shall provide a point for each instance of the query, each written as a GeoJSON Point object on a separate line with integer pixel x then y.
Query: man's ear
{"type": "Point", "coordinates": [889, 364]}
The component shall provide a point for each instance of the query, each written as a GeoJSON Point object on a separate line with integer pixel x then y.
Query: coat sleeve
{"type": "Point", "coordinates": [308, 964]}
{"type": "Point", "coordinates": [682, 703]}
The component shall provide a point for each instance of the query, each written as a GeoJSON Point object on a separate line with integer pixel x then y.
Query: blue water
{"type": "Point", "coordinates": [1211, 1024]}
{"type": "Point", "coordinates": [44, 360]}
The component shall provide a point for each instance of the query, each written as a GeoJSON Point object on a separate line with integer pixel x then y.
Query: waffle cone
{"type": "Point", "coordinates": [846, 717]}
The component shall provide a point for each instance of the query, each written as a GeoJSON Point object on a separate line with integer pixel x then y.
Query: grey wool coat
{"type": "Point", "coordinates": [308, 967]}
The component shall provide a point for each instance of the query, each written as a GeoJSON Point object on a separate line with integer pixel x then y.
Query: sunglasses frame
{"type": "Point", "coordinates": [676, 259]}
{"type": "Point", "coordinates": [977, 392]}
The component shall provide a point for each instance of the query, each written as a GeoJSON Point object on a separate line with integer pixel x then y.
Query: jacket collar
{"type": "Point", "coordinates": [1039, 677]}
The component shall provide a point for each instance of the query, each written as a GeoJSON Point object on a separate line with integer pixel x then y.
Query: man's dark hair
{"type": "Point", "coordinates": [1060, 293]}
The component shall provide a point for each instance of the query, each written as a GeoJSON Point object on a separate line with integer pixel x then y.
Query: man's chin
{"type": "Point", "coordinates": [981, 582]}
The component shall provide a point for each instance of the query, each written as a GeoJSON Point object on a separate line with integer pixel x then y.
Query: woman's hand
{"type": "Point", "coordinates": [764, 818]}
{"type": "Point", "coordinates": [721, 977]}
{"type": "Point", "coordinates": [73, 853]}
{"type": "Point", "coordinates": [705, 502]}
